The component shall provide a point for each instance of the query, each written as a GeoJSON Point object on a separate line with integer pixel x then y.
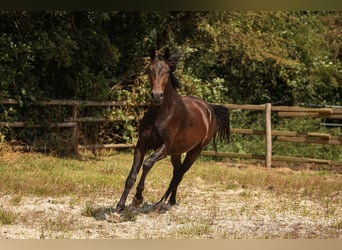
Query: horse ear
{"type": "Point", "coordinates": [172, 60]}
{"type": "Point", "coordinates": [172, 63]}
{"type": "Point", "coordinates": [152, 54]}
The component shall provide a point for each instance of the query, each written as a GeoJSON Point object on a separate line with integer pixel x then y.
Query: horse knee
{"type": "Point", "coordinates": [148, 165]}
{"type": "Point", "coordinates": [130, 181]}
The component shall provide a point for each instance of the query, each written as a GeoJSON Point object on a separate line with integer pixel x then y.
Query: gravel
{"type": "Point", "coordinates": [203, 212]}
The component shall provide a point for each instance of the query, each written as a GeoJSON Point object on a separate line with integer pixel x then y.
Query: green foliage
{"type": "Point", "coordinates": [237, 57]}
{"type": "Point", "coordinates": [279, 57]}
{"type": "Point", "coordinates": [55, 55]}
{"type": "Point", "coordinates": [255, 144]}
{"type": "Point", "coordinates": [307, 125]}
{"type": "Point", "coordinates": [256, 56]}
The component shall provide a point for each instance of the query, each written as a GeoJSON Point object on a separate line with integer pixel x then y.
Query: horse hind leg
{"type": "Point", "coordinates": [190, 158]}
{"type": "Point", "coordinates": [177, 164]}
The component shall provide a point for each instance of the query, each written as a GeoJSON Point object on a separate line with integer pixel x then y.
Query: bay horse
{"type": "Point", "coordinates": [172, 125]}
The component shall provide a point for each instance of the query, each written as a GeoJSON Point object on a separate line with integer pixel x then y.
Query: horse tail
{"type": "Point", "coordinates": [223, 125]}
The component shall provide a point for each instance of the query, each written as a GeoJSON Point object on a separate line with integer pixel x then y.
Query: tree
{"type": "Point", "coordinates": [237, 57]}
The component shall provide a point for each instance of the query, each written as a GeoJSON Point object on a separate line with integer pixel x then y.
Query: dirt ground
{"type": "Point", "coordinates": [203, 212]}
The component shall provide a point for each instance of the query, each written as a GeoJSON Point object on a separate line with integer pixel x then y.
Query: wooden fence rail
{"type": "Point", "coordinates": [74, 120]}
{"type": "Point", "coordinates": [286, 136]}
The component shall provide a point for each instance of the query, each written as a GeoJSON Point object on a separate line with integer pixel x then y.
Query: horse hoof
{"type": "Point", "coordinates": [160, 207]}
{"type": "Point", "coordinates": [157, 207]}
{"type": "Point", "coordinates": [137, 202]}
{"type": "Point", "coordinates": [172, 203]}
{"type": "Point", "coordinates": [120, 208]}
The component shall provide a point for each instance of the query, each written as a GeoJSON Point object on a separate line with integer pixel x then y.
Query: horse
{"type": "Point", "coordinates": [172, 125]}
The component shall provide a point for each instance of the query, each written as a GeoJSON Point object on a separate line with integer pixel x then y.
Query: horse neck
{"type": "Point", "coordinates": [170, 94]}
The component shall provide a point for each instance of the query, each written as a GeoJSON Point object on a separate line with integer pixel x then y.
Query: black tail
{"type": "Point", "coordinates": [223, 130]}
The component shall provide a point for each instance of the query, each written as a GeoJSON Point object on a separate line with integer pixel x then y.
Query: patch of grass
{"type": "Point", "coordinates": [337, 224]}
{"type": "Point", "coordinates": [16, 199]}
{"type": "Point", "coordinates": [7, 217]}
{"type": "Point", "coordinates": [232, 186]}
{"type": "Point", "coordinates": [305, 183]}
{"type": "Point", "coordinates": [128, 215]}
{"type": "Point", "coordinates": [90, 209]}
{"type": "Point", "coordinates": [73, 201]}
{"type": "Point", "coordinates": [193, 230]}
{"type": "Point", "coordinates": [61, 224]}
{"type": "Point", "coordinates": [46, 175]}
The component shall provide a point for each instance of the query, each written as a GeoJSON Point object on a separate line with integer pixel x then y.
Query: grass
{"type": "Point", "coordinates": [61, 225]}
{"type": "Point", "coordinates": [46, 175]}
{"type": "Point", "coordinates": [192, 230]}
{"type": "Point", "coordinates": [281, 181]}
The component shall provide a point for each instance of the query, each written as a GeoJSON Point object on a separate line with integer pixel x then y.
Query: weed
{"type": "Point", "coordinates": [232, 186]}
{"type": "Point", "coordinates": [7, 217]}
{"type": "Point", "coordinates": [246, 194]}
{"type": "Point", "coordinates": [329, 209]}
{"type": "Point", "coordinates": [90, 209]}
{"type": "Point", "coordinates": [337, 224]}
{"type": "Point", "coordinates": [42, 234]}
{"type": "Point", "coordinates": [15, 200]}
{"type": "Point", "coordinates": [63, 223]}
{"type": "Point", "coordinates": [193, 230]}
{"type": "Point", "coordinates": [73, 201]}
{"type": "Point", "coordinates": [128, 215]}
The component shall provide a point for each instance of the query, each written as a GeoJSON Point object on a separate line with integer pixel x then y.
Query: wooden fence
{"type": "Point", "coordinates": [286, 136]}
{"type": "Point", "coordinates": [74, 121]}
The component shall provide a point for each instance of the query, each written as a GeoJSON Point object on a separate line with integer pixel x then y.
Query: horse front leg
{"type": "Point", "coordinates": [159, 154]}
{"type": "Point", "coordinates": [139, 154]}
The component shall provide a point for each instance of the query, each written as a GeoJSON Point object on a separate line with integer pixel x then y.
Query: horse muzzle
{"type": "Point", "coordinates": [157, 97]}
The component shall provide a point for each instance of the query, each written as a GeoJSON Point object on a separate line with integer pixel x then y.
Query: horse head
{"type": "Point", "coordinates": [161, 73]}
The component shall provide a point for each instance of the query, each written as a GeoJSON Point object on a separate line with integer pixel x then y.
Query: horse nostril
{"type": "Point", "coordinates": [157, 97]}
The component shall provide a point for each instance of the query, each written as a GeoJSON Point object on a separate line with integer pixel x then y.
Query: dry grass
{"type": "Point", "coordinates": [44, 175]}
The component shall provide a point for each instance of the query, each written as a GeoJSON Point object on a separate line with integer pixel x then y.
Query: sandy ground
{"type": "Point", "coordinates": [202, 213]}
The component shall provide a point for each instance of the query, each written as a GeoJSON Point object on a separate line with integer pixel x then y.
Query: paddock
{"type": "Point", "coordinates": [75, 198]}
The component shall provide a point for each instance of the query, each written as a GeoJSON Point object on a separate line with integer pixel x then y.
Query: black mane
{"type": "Point", "coordinates": [174, 81]}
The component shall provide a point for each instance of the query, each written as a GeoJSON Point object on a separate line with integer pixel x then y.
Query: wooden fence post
{"type": "Point", "coordinates": [75, 133]}
{"type": "Point", "coordinates": [268, 159]}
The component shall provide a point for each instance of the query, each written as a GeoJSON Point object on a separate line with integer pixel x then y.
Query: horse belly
{"type": "Point", "coordinates": [187, 140]}
{"type": "Point", "coordinates": [197, 128]}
